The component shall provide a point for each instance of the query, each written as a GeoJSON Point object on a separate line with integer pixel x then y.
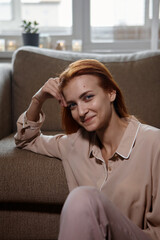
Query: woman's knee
{"type": "Point", "coordinates": [84, 213]}
{"type": "Point", "coordinates": [80, 199]}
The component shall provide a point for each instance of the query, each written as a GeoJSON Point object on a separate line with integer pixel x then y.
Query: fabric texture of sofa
{"type": "Point", "coordinates": [33, 187]}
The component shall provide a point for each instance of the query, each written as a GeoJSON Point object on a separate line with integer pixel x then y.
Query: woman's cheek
{"type": "Point", "coordinates": [74, 115]}
{"type": "Point", "coordinates": [94, 105]}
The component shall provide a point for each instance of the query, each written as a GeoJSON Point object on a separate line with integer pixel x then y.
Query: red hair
{"type": "Point", "coordinates": [106, 82]}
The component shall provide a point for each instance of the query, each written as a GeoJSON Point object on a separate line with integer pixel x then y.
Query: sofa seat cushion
{"type": "Point", "coordinates": [27, 225]}
{"type": "Point", "coordinates": [30, 177]}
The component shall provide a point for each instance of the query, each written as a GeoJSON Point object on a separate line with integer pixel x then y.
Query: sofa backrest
{"type": "Point", "coordinates": [137, 74]}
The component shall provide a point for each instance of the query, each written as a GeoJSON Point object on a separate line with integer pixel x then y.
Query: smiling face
{"type": "Point", "coordinates": [91, 107]}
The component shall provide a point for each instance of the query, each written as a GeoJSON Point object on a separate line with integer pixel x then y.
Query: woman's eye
{"type": "Point", "coordinates": [71, 106]}
{"type": "Point", "coordinates": [89, 97]}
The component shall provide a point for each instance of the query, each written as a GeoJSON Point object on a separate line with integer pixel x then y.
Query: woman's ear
{"type": "Point", "coordinates": [112, 95]}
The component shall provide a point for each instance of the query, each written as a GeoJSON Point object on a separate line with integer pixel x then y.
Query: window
{"type": "Point", "coordinates": [52, 15]}
{"type": "Point", "coordinates": [102, 25]}
{"type": "Point", "coordinates": [118, 20]}
{"type": "Point", "coordinates": [124, 24]}
{"type": "Point", "coordinates": [5, 10]}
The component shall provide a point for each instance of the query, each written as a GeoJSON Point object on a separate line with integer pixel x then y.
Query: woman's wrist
{"type": "Point", "coordinates": [38, 99]}
{"type": "Point", "coordinates": [34, 109]}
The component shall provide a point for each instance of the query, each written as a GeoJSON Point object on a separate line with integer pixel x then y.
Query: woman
{"type": "Point", "coordinates": [111, 160]}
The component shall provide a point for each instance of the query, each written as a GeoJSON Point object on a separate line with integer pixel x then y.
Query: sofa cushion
{"type": "Point", "coordinates": [18, 224]}
{"type": "Point", "coordinates": [30, 178]}
{"type": "Point", "coordinates": [5, 100]}
{"type": "Point", "coordinates": [137, 74]}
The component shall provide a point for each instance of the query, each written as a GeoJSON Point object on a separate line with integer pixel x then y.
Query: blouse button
{"type": "Point", "coordinates": [109, 169]}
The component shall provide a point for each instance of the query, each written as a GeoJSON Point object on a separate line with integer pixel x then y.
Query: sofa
{"type": "Point", "coordinates": [33, 187]}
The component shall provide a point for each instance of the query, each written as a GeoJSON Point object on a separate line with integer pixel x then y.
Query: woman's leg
{"type": "Point", "coordinates": [89, 215]}
{"type": "Point", "coordinates": [83, 216]}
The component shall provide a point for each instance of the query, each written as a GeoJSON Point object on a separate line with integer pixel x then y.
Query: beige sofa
{"type": "Point", "coordinates": [33, 188]}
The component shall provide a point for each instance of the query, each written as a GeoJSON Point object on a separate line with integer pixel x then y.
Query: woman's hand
{"type": "Point", "coordinates": [48, 90]}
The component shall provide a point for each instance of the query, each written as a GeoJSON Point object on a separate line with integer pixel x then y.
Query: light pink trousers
{"type": "Point", "coordinates": [89, 215]}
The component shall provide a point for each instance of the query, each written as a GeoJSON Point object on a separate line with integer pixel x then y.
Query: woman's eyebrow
{"type": "Point", "coordinates": [83, 94]}
{"type": "Point", "coordinates": [80, 97]}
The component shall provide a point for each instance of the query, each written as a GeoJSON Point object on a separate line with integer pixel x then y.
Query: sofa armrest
{"type": "Point", "coordinates": [5, 99]}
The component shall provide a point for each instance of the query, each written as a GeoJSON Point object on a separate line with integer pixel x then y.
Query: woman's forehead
{"type": "Point", "coordinates": [83, 80]}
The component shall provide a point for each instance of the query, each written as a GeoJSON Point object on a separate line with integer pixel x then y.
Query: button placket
{"type": "Point", "coordinates": [104, 167]}
{"type": "Point", "coordinates": [103, 177]}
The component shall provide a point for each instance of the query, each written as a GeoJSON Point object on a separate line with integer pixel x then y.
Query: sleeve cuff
{"type": "Point", "coordinates": [32, 124]}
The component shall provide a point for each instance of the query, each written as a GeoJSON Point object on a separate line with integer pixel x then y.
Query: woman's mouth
{"type": "Point", "coordinates": [88, 119]}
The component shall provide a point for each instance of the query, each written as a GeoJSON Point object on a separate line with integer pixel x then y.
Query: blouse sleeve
{"type": "Point", "coordinates": [153, 217]}
{"type": "Point", "coordinates": [29, 137]}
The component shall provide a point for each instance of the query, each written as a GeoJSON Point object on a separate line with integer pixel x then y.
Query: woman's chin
{"type": "Point", "coordinates": [90, 128]}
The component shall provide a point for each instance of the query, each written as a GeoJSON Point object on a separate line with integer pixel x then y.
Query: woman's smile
{"type": "Point", "coordinates": [88, 120]}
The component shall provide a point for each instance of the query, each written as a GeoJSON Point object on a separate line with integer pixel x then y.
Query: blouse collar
{"type": "Point", "coordinates": [127, 142]}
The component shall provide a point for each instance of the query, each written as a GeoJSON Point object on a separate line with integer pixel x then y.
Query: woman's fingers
{"type": "Point", "coordinates": [50, 89]}
{"type": "Point", "coordinates": [53, 84]}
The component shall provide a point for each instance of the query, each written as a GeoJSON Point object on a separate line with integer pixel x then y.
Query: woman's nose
{"type": "Point", "coordinates": [82, 110]}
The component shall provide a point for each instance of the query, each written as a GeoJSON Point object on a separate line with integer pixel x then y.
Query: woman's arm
{"type": "Point", "coordinates": [29, 124]}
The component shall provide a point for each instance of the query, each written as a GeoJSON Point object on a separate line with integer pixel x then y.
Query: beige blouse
{"type": "Point", "coordinates": [132, 180]}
